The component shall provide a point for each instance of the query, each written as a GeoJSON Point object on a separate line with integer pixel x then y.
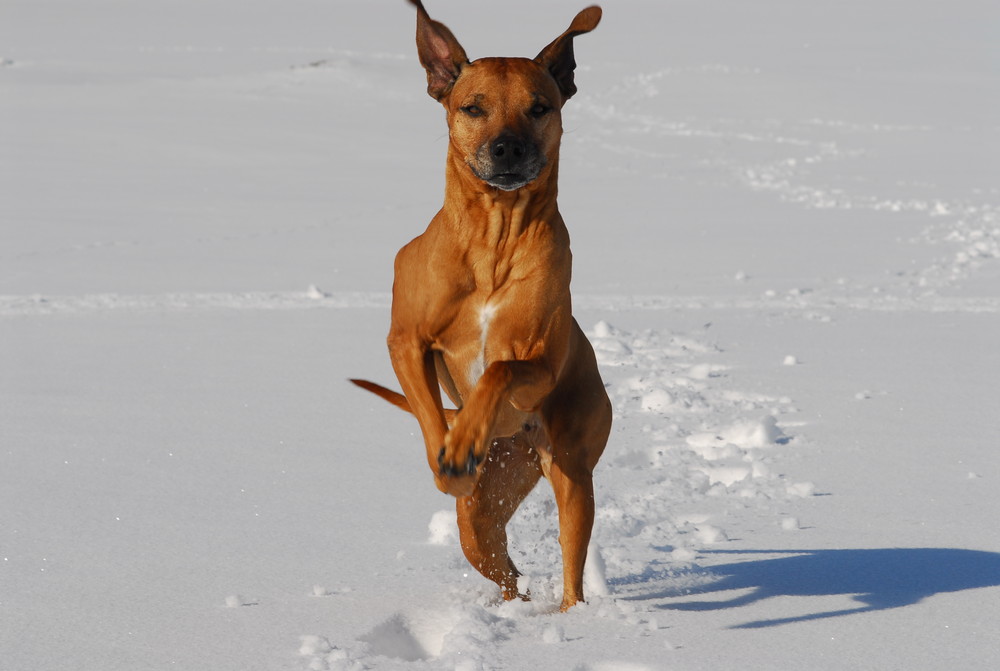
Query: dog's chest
{"type": "Point", "coordinates": [498, 309]}
{"type": "Point", "coordinates": [484, 319]}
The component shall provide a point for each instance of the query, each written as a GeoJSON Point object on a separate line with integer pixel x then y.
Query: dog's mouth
{"type": "Point", "coordinates": [508, 181]}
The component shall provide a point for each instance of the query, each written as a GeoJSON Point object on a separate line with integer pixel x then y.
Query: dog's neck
{"type": "Point", "coordinates": [506, 214]}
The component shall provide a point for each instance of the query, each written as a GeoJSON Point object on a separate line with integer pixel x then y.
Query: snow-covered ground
{"type": "Point", "coordinates": [786, 229]}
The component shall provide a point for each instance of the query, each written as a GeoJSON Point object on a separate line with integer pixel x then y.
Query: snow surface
{"type": "Point", "coordinates": [786, 229]}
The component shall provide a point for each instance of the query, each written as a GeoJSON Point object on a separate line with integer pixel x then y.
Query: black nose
{"type": "Point", "coordinates": [508, 148]}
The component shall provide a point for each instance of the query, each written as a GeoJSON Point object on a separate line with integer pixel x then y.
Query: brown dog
{"type": "Point", "coordinates": [481, 307]}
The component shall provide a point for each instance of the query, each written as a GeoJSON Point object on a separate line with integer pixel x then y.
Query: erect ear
{"type": "Point", "coordinates": [440, 53]}
{"type": "Point", "coordinates": [558, 56]}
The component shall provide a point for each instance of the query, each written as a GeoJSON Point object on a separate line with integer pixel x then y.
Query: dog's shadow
{"type": "Point", "coordinates": [878, 579]}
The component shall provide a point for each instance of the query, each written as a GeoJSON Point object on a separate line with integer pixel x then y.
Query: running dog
{"type": "Point", "coordinates": [481, 308]}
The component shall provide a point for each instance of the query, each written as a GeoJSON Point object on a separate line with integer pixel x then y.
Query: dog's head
{"type": "Point", "coordinates": [504, 114]}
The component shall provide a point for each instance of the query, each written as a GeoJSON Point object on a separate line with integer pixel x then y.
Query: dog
{"type": "Point", "coordinates": [481, 308]}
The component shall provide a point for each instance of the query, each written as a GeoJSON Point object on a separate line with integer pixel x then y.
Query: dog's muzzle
{"type": "Point", "coordinates": [508, 162]}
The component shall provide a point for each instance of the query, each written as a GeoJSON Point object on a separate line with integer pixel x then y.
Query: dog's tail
{"type": "Point", "coordinates": [395, 397]}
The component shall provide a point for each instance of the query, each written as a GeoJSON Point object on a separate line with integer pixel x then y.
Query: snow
{"type": "Point", "coordinates": [443, 527]}
{"type": "Point", "coordinates": [786, 237]}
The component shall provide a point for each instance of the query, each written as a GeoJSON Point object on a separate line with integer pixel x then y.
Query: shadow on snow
{"type": "Point", "coordinates": [878, 579]}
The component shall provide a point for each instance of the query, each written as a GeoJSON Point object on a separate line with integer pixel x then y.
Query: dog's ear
{"type": "Point", "coordinates": [440, 53]}
{"type": "Point", "coordinates": [558, 59]}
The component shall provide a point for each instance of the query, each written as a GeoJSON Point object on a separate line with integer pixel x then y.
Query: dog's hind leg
{"type": "Point", "coordinates": [574, 490]}
{"type": "Point", "coordinates": [578, 421]}
{"type": "Point", "coordinates": [511, 471]}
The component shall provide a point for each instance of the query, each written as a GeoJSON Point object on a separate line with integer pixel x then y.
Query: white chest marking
{"type": "Point", "coordinates": [478, 365]}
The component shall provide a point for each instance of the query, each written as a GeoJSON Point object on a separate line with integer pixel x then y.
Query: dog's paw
{"type": "Point", "coordinates": [459, 463]}
{"type": "Point", "coordinates": [455, 470]}
{"type": "Point", "coordinates": [457, 477]}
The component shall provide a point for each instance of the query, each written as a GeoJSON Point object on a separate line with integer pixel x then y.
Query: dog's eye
{"type": "Point", "coordinates": [539, 110]}
{"type": "Point", "coordinates": [473, 110]}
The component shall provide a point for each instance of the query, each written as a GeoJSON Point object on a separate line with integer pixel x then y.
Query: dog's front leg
{"type": "Point", "coordinates": [413, 362]}
{"type": "Point", "coordinates": [522, 383]}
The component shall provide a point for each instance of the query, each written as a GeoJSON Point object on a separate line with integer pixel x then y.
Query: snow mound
{"type": "Point", "coordinates": [759, 433]}
{"type": "Point", "coordinates": [401, 637]}
{"type": "Point", "coordinates": [595, 581]}
{"type": "Point", "coordinates": [613, 666]}
{"type": "Point", "coordinates": [455, 637]}
{"type": "Point", "coordinates": [443, 528]}
{"type": "Point", "coordinates": [238, 600]}
{"type": "Point", "coordinates": [319, 655]}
